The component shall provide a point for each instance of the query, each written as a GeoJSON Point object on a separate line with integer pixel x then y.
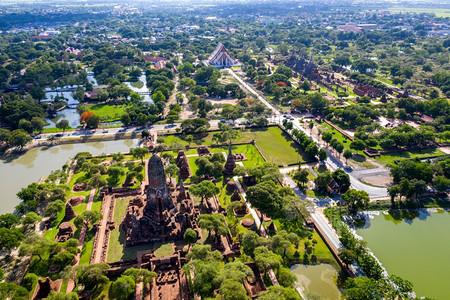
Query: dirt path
{"type": "Point", "coordinates": [71, 283]}
{"type": "Point", "coordinates": [107, 204]}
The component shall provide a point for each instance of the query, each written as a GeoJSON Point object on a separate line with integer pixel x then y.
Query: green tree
{"type": "Point", "coordinates": [393, 191]}
{"type": "Point", "coordinates": [358, 145]}
{"type": "Point", "coordinates": [19, 138]}
{"type": "Point", "coordinates": [8, 220]}
{"type": "Point", "coordinates": [30, 219]}
{"type": "Point", "coordinates": [124, 287]}
{"type": "Point", "coordinates": [5, 135]}
{"type": "Point", "coordinates": [305, 86]}
{"type": "Point", "coordinates": [62, 296]}
{"type": "Point", "coordinates": [347, 256]}
{"type": "Point", "coordinates": [301, 176]}
{"type": "Point", "coordinates": [93, 276]}
{"type": "Point", "coordinates": [205, 189]}
{"type": "Point", "coordinates": [13, 291]}
{"type": "Point", "coordinates": [195, 126]}
{"type": "Point", "coordinates": [213, 223]}
{"type": "Point", "coordinates": [322, 155]}
{"type": "Point", "coordinates": [286, 278]}
{"type": "Point", "coordinates": [267, 260]}
{"type": "Point", "coordinates": [356, 200]}
{"type": "Point", "coordinates": [140, 275]}
{"type": "Point", "coordinates": [125, 119]}
{"type": "Point", "coordinates": [232, 290]}
{"type": "Point", "coordinates": [279, 293]}
{"type": "Point", "coordinates": [63, 124]}
{"type": "Point", "coordinates": [78, 94]}
{"type": "Point", "coordinates": [361, 288]}
{"type": "Point", "coordinates": [236, 271]}
{"type": "Point", "coordinates": [36, 245]}
{"type": "Point", "coordinates": [10, 238]}
{"type": "Point", "coordinates": [89, 217]}
{"type": "Point", "coordinates": [190, 236]}
{"type": "Point", "coordinates": [54, 208]}
{"type": "Point", "coordinates": [266, 197]}
{"type": "Point", "coordinates": [347, 154]}
{"type": "Point", "coordinates": [38, 124]}
{"type": "Point", "coordinates": [441, 183]}
{"type": "Point", "coordinates": [139, 153]}
{"type": "Point", "coordinates": [327, 136]}
{"type": "Point", "coordinates": [250, 241]}
{"type": "Point", "coordinates": [115, 172]}
{"type": "Point", "coordinates": [189, 139]}
{"type": "Point", "coordinates": [93, 121]}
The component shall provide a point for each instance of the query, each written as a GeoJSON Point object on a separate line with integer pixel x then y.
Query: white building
{"type": "Point", "coordinates": [221, 58]}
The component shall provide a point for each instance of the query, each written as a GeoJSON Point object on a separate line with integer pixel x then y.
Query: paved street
{"type": "Point", "coordinates": [333, 164]}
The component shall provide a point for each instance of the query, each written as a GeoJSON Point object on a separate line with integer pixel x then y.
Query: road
{"type": "Point", "coordinates": [332, 163]}
{"type": "Point", "coordinates": [118, 130]}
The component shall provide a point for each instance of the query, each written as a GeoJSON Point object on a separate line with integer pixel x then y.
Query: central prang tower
{"type": "Point", "coordinates": [164, 215]}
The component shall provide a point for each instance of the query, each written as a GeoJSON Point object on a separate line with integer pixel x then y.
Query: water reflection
{"type": "Point", "coordinates": [318, 279]}
{"type": "Point", "coordinates": [17, 171]}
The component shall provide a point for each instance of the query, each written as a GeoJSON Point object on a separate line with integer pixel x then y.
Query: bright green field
{"type": "Point", "coordinates": [108, 112]}
{"type": "Point", "coordinates": [286, 151]}
{"type": "Point", "coordinates": [440, 12]}
{"type": "Point", "coordinates": [390, 158]}
{"type": "Point", "coordinates": [275, 145]}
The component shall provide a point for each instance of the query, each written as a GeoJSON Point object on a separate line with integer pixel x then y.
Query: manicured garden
{"type": "Point", "coordinates": [286, 151]}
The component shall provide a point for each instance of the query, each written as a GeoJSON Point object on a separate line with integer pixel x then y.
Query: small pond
{"type": "Point", "coordinates": [318, 279]}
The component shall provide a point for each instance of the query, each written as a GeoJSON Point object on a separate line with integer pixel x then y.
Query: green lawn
{"type": "Point", "coordinates": [276, 146]}
{"type": "Point", "coordinates": [386, 159]}
{"type": "Point", "coordinates": [250, 151]}
{"type": "Point", "coordinates": [320, 250]}
{"type": "Point", "coordinates": [108, 112]}
{"type": "Point", "coordinates": [55, 130]}
{"type": "Point", "coordinates": [286, 150]}
{"type": "Point", "coordinates": [117, 250]}
{"type": "Point", "coordinates": [440, 12]}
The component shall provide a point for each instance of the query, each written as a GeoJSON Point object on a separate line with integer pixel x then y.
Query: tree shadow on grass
{"type": "Point", "coordinates": [359, 158]}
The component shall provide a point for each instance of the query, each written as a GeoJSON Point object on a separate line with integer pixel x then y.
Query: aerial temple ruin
{"type": "Point", "coordinates": [163, 215]}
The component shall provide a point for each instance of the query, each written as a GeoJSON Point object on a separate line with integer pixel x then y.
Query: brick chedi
{"type": "Point", "coordinates": [163, 216]}
{"type": "Point", "coordinates": [183, 164]}
{"type": "Point", "coordinates": [230, 164]}
{"type": "Point", "coordinates": [70, 213]}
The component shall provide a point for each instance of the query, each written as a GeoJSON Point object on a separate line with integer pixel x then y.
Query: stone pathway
{"type": "Point", "coordinates": [102, 230]}
{"type": "Point", "coordinates": [71, 284]}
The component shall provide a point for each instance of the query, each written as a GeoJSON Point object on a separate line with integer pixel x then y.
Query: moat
{"type": "Point", "coordinates": [414, 246]}
{"type": "Point", "coordinates": [20, 170]}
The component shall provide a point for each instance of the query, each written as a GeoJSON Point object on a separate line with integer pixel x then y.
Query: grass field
{"type": "Point", "coordinates": [117, 250]}
{"type": "Point", "coordinates": [390, 158]}
{"type": "Point", "coordinates": [336, 134]}
{"type": "Point", "coordinates": [108, 112]}
{"type": "Point", "coordinates": [287, 151]}
{"type": "Point", "coordinates": [439, 12]}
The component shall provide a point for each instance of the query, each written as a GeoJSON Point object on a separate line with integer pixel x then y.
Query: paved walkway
{"type": "Point", "coordinates": [71, 283]}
